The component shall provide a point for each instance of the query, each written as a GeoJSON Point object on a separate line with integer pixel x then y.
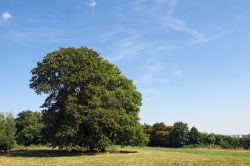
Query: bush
{"type": "Point", "coordinates": [7, 132]}
{"type": "Point", "coordinates": [29, 126]}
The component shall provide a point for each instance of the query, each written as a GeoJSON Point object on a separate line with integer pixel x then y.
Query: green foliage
{"type": "Point", "coordinates": [157, 134]}
{"type": "Point", "coordinates": [90, 103]}
{"type": "Point", "coordinates": [176, 136]}
{"type": "Point", "coordinates": [211, 138]}
{"type": "Point", "coordinates": [7, 131]}
{"type": "Point", "coordinates": [29, 125]}
{"type": "Point", "coordinates": [231, 142]}
{"type": "Point", "coordinates": [180, 134]}
{"type": "Point", "coordinates": [246, 142]}
{"type": "Point", "coordinates": [147, 128]}
{"type": "Point", "coordinates": [203, 138]}
{"type": "Point", "coordinates": [158, 126]}
{"type": "Point", "coordinates": [194, 136]}
{"type": "Point", "coordinates": [161, 135]}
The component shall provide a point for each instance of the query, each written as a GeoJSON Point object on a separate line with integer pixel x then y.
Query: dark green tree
{"type": "Point", "coordinates": [158, 126]}
{"type": "Point", "coordinates": [147, 128]}
{"type": "Point", "coordinates": [211, 138]}
{"type": "Point", "coordinates": [157, 134]}
{"type": "Point", "coordinates": [194, 136]}
{"type": "Point", "coordinates": [231, 142]}
{"type": "Point", "coordinates": [90, 103]}
{"type": "Point", "coordinates": [246, 142]}
{"type": "Point", "coordinates": [161, 135]}
{"type": "Point", "coordinates": [7, 131]}
{"type": "Point", "coordinates": [29, 126]}
{"type": "Point", "coordinates": [180, 134]}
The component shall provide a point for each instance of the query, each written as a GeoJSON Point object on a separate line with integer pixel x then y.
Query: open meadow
{"type": "Point", "coordinates": [127, 156]}
{"type": "Point", "coordinates": [124, 83]}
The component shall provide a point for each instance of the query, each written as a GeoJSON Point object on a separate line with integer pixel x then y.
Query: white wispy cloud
{"type": "Point", "coordinates": [180, 25]}
{"type": "Point", "coordinates": [109, 36]}
{"type": "Point", "coordinates": [150, 78]}
{"type": "Point", "coordinates": [149, 94]}
{"type": "Point", "coordinates": [36, 34]}
{"type": "Point", "coordinates": [170, 21]}
{"type": "Point", "coordinates": [128, 48]}
{"type": "Point", "coordinates": [152, 73]}
{"type": "Point", "coordinates": [6, 16]}
{"type": "Point", "coordinates": [134, 45]}
{"type": "Point", "coordinates": [92, 3]}
{"type": "Point", "coordinates": [149, 90]}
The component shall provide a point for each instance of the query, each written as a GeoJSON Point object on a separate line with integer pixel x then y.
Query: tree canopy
{"type": "Point", "coordinates": [180, 134]}
{"type": "Point", "coordinates": [90, 103]}
{"type": "Point", "coordinates": [29, 125]}
{"type": "Point", "coordinates": [194, 136]}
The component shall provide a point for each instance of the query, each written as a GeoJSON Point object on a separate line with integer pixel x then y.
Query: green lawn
{"type": "Point", "coordinates": [128, 156]}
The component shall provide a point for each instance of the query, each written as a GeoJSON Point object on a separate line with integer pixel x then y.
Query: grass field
{"type": "Point", "coordinates": [127, 156]}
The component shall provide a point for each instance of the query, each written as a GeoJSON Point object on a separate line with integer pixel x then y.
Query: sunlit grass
{"type": "Point", "coordinates": [127, 156]}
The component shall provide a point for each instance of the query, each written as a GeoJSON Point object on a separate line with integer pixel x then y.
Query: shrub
{"type": "Point", "coordinates": [7, 131]}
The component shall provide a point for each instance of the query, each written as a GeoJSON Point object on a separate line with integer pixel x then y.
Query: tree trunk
{"type": "Point", "coordinates": [103, 149]}
{"type": "Point", "coordinates": [91, 148]}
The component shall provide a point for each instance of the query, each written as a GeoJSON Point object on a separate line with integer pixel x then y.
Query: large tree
{"type": "Point", "coordinates": [29, 126]}
{"type": "Point", "coordinates": [90, 103]}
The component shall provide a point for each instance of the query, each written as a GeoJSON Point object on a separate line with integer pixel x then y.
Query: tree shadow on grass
{"type": "Point", "coordinates": [55, 153]}
{"type": "Point", "coordinates": [126, 151]}
{"type": "Point", "coordinates": [45, 153]}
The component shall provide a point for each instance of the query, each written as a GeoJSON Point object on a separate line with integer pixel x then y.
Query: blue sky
{"type": "Point", "coordinates": [189, 58]}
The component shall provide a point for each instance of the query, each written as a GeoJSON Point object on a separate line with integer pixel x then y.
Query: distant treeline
{"type": "Point", "coordinates": [27, 129]}
{"type": "Point", "coordinates": [179, 135]}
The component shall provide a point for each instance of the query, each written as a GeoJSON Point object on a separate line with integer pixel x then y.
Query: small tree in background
{"type": "Point", "coordinates": [7, 131]}
{"type": "Point", "coordinates": [157, 132]}
{"type": "Point", "coordinates": [161, 135]}
{"type": "Point", "coordinates": [211, 138]}
{"type": "Point", "coordinates": [194, 136]}
{"type": "Point", "coordinates": [180, 134]}
{"type": "Point", "coordinates": [246, 142]}
{"type": "Point", "coordinates": [29, 126]}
